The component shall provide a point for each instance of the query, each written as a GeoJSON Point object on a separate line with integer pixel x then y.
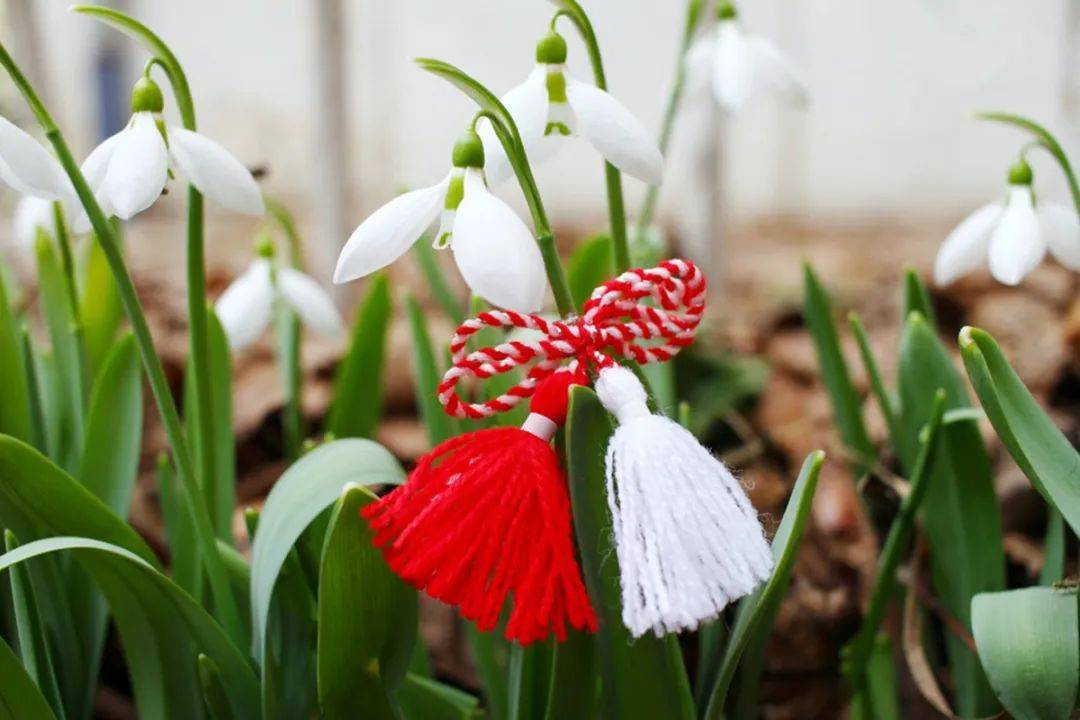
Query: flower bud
{"type": "Point", "coordinates": [469, 151]}
{"type": "Point", "coordinates": [726, 11]}
{"type": "Point", "coordinates": [551, 50]}
{"type": "Point", "coordinates": [146, 96]}
{"type": "Point", "coordinates": [1020, 173]}
{"type": "Point", "coordinates": [264, 247]}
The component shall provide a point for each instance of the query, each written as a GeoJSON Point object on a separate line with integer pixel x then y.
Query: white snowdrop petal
{"type": "Point", "coordinates": [732, 67]}
{"type": "Point", "coordinates": [1016, 245]}
{"type": "Point", "coordinates": [138, 168]}
{"type": "Point", "coordinates": [967, 246]}
{"type": "Point", "coordinates": [310, 301]}
{"type": "Point", "coordinates": [32, 213]}
{"type": "Point", "coordinates": [772, 66]}
{"type": "Point", "coordinates": [215, 171]}
{"type": "Point", "coordinates": [615, 132]}
{"type": "Point", "coordinates": [244, 309]}
{"type": "Point", "coordinates": [698, 64]}
{"type": "Point", "coordinates": [527, 104]}
{"type": "Point", "coordinates": [389, 232]}
{"type": "Point", "coordinates": [1061, 232]}
{"type": "Point", "coordinates": [495, 251]}
{"type": "Point", "coordinates": [27, 166]}
{"type": "Point", "coordinates": [96, 163]}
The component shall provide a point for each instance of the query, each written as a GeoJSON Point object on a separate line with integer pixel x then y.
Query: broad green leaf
{"type": "Point", "coordinates": [1027, 640]}
{"type": "Point", "coordinates": [67, 363]}
{"type": "Point", "coordinates": [490, 652]}
{"type": "Point", "coordinates": [162, 630]}
{"type": "Point", "coordinates": [20, 698]}
{"type": "Point", "coordinates": [877, 699]}
{"type": "Point", "coordinates": [1053, 569]}
{"type": "Point", "coordinates": [33, 643]}
{"type": "Point", "coordinates": [591, 263]}
{"type": "Point", "coordinates": [183, 549]}
{"type": "Point", "coordinates": [1045, 455]}
{"type": "Point", "coordinates": [712, 639]}
{"type": "Point", "coordinates": [641, 678]}
{"type": "Point", "coordinates": [574, 690]}
{"type": "Point", "coordinates": [287, 335]}
{"type": "Point", "coordinates": [818, 313]}
{"type": "Point", "coordinates": [15, 411]}
{"type": "Point", "coordinates": [960, 515]}
{"type": "Point", "coordinates": [367, 618]}
{"type": "Point", "coordinates": [530, 678]}
{"type": "Point", "coordinates": [917, 298]}
{"type": "Point", "coordinates": [38, 426]}
{"type": "Point", "coordinates": [100, 310]}
{"type": "Point", "coordinates": [307, 488]}
{"type": "Point", "coordinates": [215, 698]}
{"type": "Point", "coordinates": [426, 377]}
{"type": "Point", "coordinates": [358, 389]}
{"type": "Point", "coordinates": [758, 611]}
{"type": "Point", "coordinates": [424, 698]}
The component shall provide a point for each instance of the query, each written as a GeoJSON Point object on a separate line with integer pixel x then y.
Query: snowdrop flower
{"type": "Point", "coordinates": [246, 306]}
{"type": "Point", "coordinates": [494, 250]}
{"type": "Point", "coordinates": [738, 64]}
{"type": "Point", "coordinates": [128, 171]}
{"type": "Point", "coordinates": [28, 167]}
{"type": "Point", "coordinates": [31, 215]}
{"type": "Point", "coordinates": [551, 106]}
{"type": "Point", "coordinates": [1014, 236]}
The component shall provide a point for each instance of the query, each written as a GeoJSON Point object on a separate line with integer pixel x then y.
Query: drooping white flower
{"type": "Point", "coordinates": [28, 167]}
{"type": "Point", "coordinates": [494, 250]}
{"type": "Point", "coordinates": [128, 171]}
{"type": "Point", "coordinates": [32, 214]}
{"type": "Point", "coordinates": [1012, 236]}
{"type": "Point", "coordinates": [550, 107]}
{"type": "Point", "coordinates": [246, 307]}
{"type": "Point", "coordinates": [737, 64]}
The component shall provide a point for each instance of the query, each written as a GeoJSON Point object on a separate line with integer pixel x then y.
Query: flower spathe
{"type": "Point", "coordinates": [128, 171]}
{"type": "Point", "coordinates": [737, 64]}
{"type": "Point", "coordinates": [495, 252]}
{"type": "Point", "coordinates": [551, 107]}
{"type": "Point", "coordinates": [1012, 236]}
{"type": "Point", "coordinates": [246, 306]}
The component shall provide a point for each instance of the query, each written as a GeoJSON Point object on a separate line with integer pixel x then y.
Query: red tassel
{"type": "Point", "coordinates": [487, 514]}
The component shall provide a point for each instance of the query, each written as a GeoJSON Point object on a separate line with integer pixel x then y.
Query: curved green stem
{"type": "Point", "coordinates": [224, 602]}
{"type": "Point", "coordinates": [671, 111]}
{"type": "Point", "coordinates": [612, 177]}
{"type": "Point", "coordinates": [284, 220]}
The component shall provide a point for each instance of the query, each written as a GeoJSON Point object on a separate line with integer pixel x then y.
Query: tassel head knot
{"type": "Point", "coordinates": [622, 394]}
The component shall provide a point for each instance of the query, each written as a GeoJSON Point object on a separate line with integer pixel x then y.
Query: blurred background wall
{"type": "Point", "coordinates": [889, 133]}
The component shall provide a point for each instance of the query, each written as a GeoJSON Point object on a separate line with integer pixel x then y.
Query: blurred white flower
{"type": "Point", "coordinates": [28, 167]}
{"type": "Point", "coordinates": [737, 64]}
{"type": "Point", "coordinates": [494, 250]}
{"type": "Point", "coordinates": [32, 214]}
{"type": "Point", "coordinates": [550, 107]}
{"type": "Point", "coordinates": [246, 306]}
{"type": "Point", "coordinates": [128, 171]}
{"type": "Point", "coordinates": [1013, 236]}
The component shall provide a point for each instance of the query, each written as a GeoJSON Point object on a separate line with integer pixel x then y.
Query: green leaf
{"type": "Point", "coordinates": [917, 298]}
{"type": "Point", "coordinates": [436, 280]}
{"type": "Point", "coordinates": [877, 699]}
{"type": "Point", "coordinates": [431, 700]}
{"type": "Point", "coordinates": [1053, 569]}
{"type": "Point", "coordinates": [718, 384]}
{"type": "Point", "coordinates": [67, 366]}
{"type": "Point", "coordinates": [307, 488]}
{"type": "Point", "coordinates": [162, 630]}
{"type": "Point", "coordinates": [591, 263]}
{"type": "Point", "coordinates": [367, 618]}
{"type": "Point", "coordinates": [640, 678]}
{"type": "Point", "coordinates": [14, 389]}
{"type": "Point", "coordinates": [1027, 641]}
{"type": "Point", "coordinates": [100, 310]}
{"type": "Point", "coordinates": [223, 495]}
{"type": "Point", "coordinates": [818, 313]}
{"type": "Point", "coordinates": [758, 611]}
{"type": "Point", "coordinates": [574, 690]}
{"type": "Point", "coordinates": [1036, 444]}
{"type": "Point", "coordinates": [214, 696]}
{"type": "Point", "coordinates": [490, 652]}
{"type": "Point", "coordinates": [20, 698]}
{"type": "Point", "coordinates": [426, 377]}
{"type": "Point", "coordinates": [110, 462]}
{"type": "Point", "coordinates": [885, 400]}
{"type": "Point", "coordinates": [960, 515]}
{"type": "Point", "coordinates": [358, 389]}
{"type": "Point", "coordinates": [183, 549]}
{"type": "Point", "coordinates": [530, 679]}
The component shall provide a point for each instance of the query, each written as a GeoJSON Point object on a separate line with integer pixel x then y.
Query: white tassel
{"type": "Point", "coordinates": [688, 540]}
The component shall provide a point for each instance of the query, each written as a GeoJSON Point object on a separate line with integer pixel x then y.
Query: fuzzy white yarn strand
{"type": "Point", "coordinates": [687, 538]}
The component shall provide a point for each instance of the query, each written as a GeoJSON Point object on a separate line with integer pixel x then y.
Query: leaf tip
{"type": "Point", "coordinates": [965, 338]}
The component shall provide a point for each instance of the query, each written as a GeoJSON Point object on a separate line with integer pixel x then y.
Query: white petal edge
{"type": "Point", "coordinates": [614, 131]}
{"type": "Point", "coordinates": [773, 67]}
{"type": "Point", "coordinates": [245, 307]}
{"type": "Point", "coordinates": [389, 232]}
{"type": "Point", "coordinates": [1016, 245]}
{"type": "Point", "coordinates": [32, 213]}
{"type": "Point", "coordinates": [527, 104]}
{"type": "Point", "coordinates": [967, 246]}
{"type": "Point", "coordinates": [28, 167]}
{"type": "Point", "coordinates": [310, 301]}
{"type": "Point", "coordinates": [1061, 232]}
{"type": "Point", "coordinates": [96, 163]}
{"type": "Point", "coordinates": [215, 172]}
{"type": "Point", "coordinates": [138, 167]}
{"type": "Point", "coordinates": [733, 74]}
{"type": "Point", "coordinates": [495, 251]}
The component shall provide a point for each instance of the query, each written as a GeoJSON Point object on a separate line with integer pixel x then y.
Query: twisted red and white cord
{"type": "Point", "coordinates": [615, 322]}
